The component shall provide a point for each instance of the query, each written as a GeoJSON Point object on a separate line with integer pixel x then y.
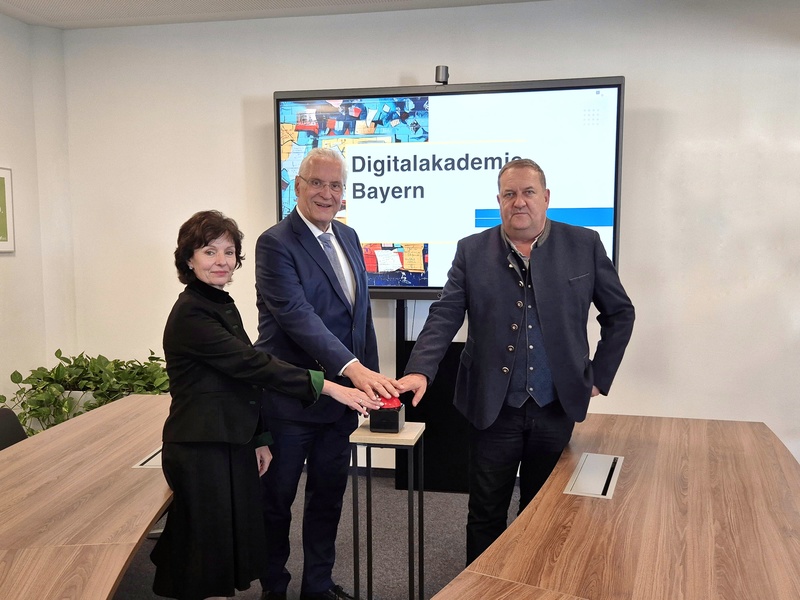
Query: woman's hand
{"type": "Point", "coordinates": [352, 397]}
{"type": "Point", "coordinates": [264, 457]}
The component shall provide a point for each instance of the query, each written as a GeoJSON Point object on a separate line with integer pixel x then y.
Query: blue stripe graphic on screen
{"type": "Point", "coordinates": [585, 217]}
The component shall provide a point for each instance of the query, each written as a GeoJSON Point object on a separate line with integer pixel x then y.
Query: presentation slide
{"type": "Point", "coordinates": [422, 171]}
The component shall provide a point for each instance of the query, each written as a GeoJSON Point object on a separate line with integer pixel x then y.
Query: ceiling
{"type": "Point", "coordinates": [78, 14]}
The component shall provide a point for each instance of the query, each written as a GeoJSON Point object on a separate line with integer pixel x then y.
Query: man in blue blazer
{"type": "Point", "coordinates": [313, 311]}
{"type": "Point", "coordinates": [526, 374]}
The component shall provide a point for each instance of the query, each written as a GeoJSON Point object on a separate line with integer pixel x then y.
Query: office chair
{"type": "Point", "coordinates": [11, 430]}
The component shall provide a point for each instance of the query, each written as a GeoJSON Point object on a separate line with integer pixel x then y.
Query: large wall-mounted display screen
{"type": "Point", "coordinates": [423, 162]}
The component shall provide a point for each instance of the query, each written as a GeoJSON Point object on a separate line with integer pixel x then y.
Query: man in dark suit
{"type": "Point", "coordinates": [526, 375]}
{"type": "Point", "coordinates": [314, 310]}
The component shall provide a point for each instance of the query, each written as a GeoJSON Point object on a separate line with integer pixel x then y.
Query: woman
{"type": "Point", "coordinates": [214, 443]}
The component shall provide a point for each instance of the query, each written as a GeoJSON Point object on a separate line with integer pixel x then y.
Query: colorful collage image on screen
{"type": "Point", "coordinates": [311, 124]}
{"type": "Point", "coordinates": [396, 265]}
{"type": "Point", "coordinates": [308, 124]}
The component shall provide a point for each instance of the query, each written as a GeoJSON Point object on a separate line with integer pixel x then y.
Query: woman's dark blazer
{"type": "Point", "coordinates": [216, 376]}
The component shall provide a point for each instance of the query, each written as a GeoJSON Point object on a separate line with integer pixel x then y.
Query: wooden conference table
{"type": "Point", "coordinates": [73, 510]}
{"type": "Point", "coordinates": [702, 510]}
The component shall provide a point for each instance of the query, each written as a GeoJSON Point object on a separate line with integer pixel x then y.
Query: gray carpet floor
{"type": "Point", "coordinates": [445, 516]}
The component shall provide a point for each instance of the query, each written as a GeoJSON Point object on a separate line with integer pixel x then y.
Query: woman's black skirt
{"type": "Point", "coordinates": [213, 540]}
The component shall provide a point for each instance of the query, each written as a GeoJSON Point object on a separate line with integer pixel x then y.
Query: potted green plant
{"type": "Point", "coordinates": [80, 383]}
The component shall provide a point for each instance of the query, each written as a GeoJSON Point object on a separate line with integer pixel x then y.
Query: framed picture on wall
{"type": "Point", "coordinates": [6, 212]}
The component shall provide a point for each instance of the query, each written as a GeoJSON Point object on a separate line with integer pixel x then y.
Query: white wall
{"type": "Point", "coordinates": [162, 121]}
{"type": "Point", "coordinates": [55, 209]}
{"type": "Point", "coordinates": [22, 311]}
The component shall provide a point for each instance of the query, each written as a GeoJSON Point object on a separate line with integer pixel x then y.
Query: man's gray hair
{"type": "Point", "coordinates": [323, 154]}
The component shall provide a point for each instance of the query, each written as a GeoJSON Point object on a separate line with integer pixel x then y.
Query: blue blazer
{"type": "Point", "coordinates": [304, 317]}
{"type": "Point", "coordinates": [570, 271]}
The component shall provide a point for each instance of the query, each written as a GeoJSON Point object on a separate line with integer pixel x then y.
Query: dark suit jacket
{"type": "Point", "coordinates": [304, 316]}
{"type": "Point", "coordinates": [216, 376]}
{"type": "Point", "coordinates": [570, 271]}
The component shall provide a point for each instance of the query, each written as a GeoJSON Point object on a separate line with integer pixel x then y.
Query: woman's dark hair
{"type": "Point", "coordinates": [199, 231]}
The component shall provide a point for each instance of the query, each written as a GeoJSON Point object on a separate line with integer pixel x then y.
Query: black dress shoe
{"type": "Point", "coordinates": [335, 593]}
{"type": "Point", "coordinates": [273, 595]}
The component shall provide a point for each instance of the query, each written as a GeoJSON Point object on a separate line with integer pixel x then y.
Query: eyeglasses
{"type": "Point", "coordinates": [336, 187]}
